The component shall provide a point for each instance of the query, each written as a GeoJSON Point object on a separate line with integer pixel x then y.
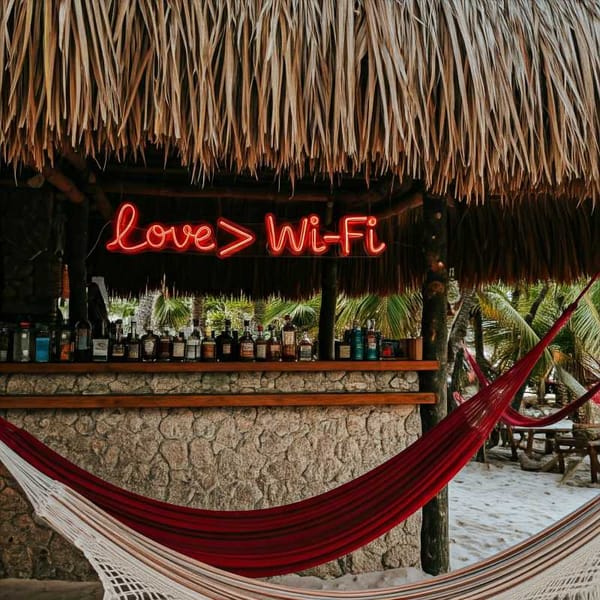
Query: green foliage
{"type": "Point", "coordinates": [171, 312]}
{"type": "Point", "coordinates": [122, 308]}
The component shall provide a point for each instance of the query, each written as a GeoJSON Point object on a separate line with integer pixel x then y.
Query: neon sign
{"type": "Point", "coordinates": [305, 237]}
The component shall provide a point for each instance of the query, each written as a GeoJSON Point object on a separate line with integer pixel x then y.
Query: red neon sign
{"type": "Point", "coordinates": [305, 237]}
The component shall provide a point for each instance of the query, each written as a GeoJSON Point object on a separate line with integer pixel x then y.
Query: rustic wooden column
{"type": "Point", "coordinates": [77, 248]}
{"type": "Point", "coordinates": [328, 299]}
{"type": "Point", "coordinates": [435, 554]}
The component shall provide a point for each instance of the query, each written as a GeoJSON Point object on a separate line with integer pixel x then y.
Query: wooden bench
{"type": "Point", "coordinates": [565, 446]}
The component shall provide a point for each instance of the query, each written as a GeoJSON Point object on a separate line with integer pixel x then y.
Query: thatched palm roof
{"type": "Point", "coordinates": [477, 97]}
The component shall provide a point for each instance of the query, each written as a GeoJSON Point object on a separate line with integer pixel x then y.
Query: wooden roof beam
{"type": "Point", "coordinates": [62, 183]}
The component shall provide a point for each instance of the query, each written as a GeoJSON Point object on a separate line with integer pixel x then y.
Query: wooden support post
{"type": "Point", "coordinates": [435, 551]}
{"type": "Point", "coordinates": [328, 299]}
{"type": "Point", "coordinates": [77, 248]}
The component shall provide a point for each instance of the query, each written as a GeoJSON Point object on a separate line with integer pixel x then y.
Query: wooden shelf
{"type": "Point", "coordinates": [212, 400]}
{"type": "Point", "coordinates": [217, 367]}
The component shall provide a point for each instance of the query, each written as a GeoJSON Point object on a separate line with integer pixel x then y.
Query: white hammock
{"type": "Point", "coordinates": [560, 563]}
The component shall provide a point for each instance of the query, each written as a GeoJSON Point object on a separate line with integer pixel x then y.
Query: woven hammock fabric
{"type": "Point", "coordinates": [562, 562]}
{"type": "Point", "coordinates": [296, 536]}
{"type": "Point", "coordinates": [514, 418]}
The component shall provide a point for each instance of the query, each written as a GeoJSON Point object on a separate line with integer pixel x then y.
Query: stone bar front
{"type": "Point", "coordinates": [221, 436]}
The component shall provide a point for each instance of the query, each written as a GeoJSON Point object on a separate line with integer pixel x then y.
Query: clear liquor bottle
{"type": "Point", "coordinates": [305, 348]}
{"type": "Point", "coordinates": [117, 343]}
{"type": "Point", "coordinates": [193, 343]}
{"type": "Point", "coordinates": [261, 344]}
{"type": "Point", "coordinates": [149, 346]}
{"type": "Point", "coordinates": [178, 348]}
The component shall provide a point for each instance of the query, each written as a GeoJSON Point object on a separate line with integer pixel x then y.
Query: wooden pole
{"type": "Point", "coordinates": [328, 299]}
{"type": "Point", "coordinates": [76, 249]}
{"type": "Point", "coordinates": [435, 552]}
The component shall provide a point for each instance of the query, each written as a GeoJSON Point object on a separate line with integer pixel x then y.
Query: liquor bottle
{"type": "Point", "coordinates": [225, 343]}
{"type": "Point", "coordinates": [247, 348]}
{"type": "Point", "coordinates": [357, 343]}
{"type": "Point", "coordinates": [343, 347]}
{"type": "Point", "coordinates": [208, 347]}
{"type": "Point", "coordinates": [235, 345]}
{"type": "Point", "coordinates": [273, 345]}
{"type": "Point", "coordinates": [192, 344]}
{"type": "Point", "coordinates": [42, 344]}
{"type": "Point", "coordinates": [83, 341]}
{"type": "Point", "coordinates": [164, 346]}
{"type": "Point", "coordinates": [133, 345]}
{"type": "Point", "coordinates": [178, 348]}
{"type": "Point", "coordinates": [4, 343]}
{"type": "Point", "coordinates": [149, 346]}
{"type": "Point", "coordinates": [117, 342]}
{"type": "Point", "coordinates": [65, 345]}
{"type": "Point", "coordinates": [305, 348]}
{"type": "Point", "coordinates": [100, 343]}
{"type": "Point", "coordinates": [261, 344]}
{"type": "Point", "coordinates": [372, 347]}
{"type": "Point", "coordinates": [288, 340]}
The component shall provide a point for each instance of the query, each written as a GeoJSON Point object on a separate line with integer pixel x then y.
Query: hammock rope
{"type": "Point", "coordinates": [563, 561]}
{"type": "Point", "coordinates": [296, 536]}
{"type": "Point", "coordinates": [512, 417]}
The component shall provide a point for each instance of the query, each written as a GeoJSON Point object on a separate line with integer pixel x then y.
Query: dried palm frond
{"type": "Point", "coordinates": [473, 98]}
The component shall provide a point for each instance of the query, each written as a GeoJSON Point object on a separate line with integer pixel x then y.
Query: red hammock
{"type": "Point", "coordinates": [514, 418]}
{"type": "Point", "coordinates": [310, 532]}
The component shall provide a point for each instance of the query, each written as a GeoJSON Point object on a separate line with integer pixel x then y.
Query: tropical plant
{"type": "Point", "coordinates": [170, 312]}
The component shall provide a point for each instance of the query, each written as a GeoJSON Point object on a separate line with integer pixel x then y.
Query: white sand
{"type": "Point", "coordinates": [492, 506]}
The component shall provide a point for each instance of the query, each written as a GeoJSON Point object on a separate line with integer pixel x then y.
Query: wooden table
{"type": "Point", "coordinates": [528, 433]}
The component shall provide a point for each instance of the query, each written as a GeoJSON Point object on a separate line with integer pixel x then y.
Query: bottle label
{"type": "Point", "coordinates": [344, 352]}
{"type": "Point", "coordinates": [305, 352]}
{"type": "Point", "coordinates": [149, 347]}
{"type": "Point", "coordinates": [3, 355]}
{"type": "Point", "coordinates": [100, 349]}
{"type": "Point", "coordinates": [83, 339]}
{"type": "Point", "coordinates": [275, 350]}
{"type": "Point", "coordinates": [261, 351]}
{"type": "Point", "coordinates": [208, 351]}
{"type": "Point", "coordinates": [191, 349]}
{"type": "Point", "coordinates": [118, 350]}
{"type": "Point", "coordinates": [178, 349]}
{"type": "Point", "coordinates": [42, 349]}
{"type": "Point", "coordinates": [226, 349]}
{"type": "Point", "coordinates": [65, 351]}
{"type": "Point", "coordinates": [288, 338]}
{"type": "Point", "coordinates": [134, 351]}
{"type": "Point", "coordinates": [246, 350]}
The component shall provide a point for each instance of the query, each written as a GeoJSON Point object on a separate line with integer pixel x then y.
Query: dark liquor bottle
{"type": "Point", "coordinates": [178, 348]}
{"type": "Point", "coordinates": [225, 343]}
{"type": "Point", "coordinates": [343, 347]}
{"type": "Point", "coordinates": [133, 350]}
{"type": "Point", "coordinates": [357, 343]}
{"type": "Point", "coordinates": [273, 345]}
{"type": "Point", "coordinates": [149, 346]}
{"type": "Point", "coordinates": [100, 342]}
{"type": "Point", "coordinates": [261, 344]}
{"type": "Point", "coordinates": [164, 347]}
{"type": "Point", "coordinates": [117, 342]}
{"type": "Point", "coordinates": [247, 348]}
{"type": "Point", "coordinates": [209, 347]}
{"type": "Point", "coordinates": [288, 340]}
{"type": "Point", "coordinates": [372, 346]}
{"type": "Point", "coordinates": [305, 348]}
{"type": "Point", "coordinates": [83, 341]}
{"type": "Point", "coordinates": [42, 344]}
{"type": "Point", "coordinates": [65, 345]}
{"type": "Point", "coordinates": [192, 344]}
{"type": "Point", "coordinates": [4, 344]}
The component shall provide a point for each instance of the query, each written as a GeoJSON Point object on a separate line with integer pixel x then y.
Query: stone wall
{"type": "Point", "coordinates": [220, 458]}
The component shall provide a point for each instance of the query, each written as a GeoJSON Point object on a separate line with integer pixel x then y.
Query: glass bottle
{"type": "Point", "coordinates": [164, 346]}
{"type": "Point", "coordinates": [356, 342]}
{"type": "Point", "coordinates": [288, 340]}
{"type": "Point", "coordinates": [225, 343]}
{"type": "Point", "coordinates": [343, 347]}
{"type": "Point", "coordinates": [4, 343]}
{"type": "Point", "coordinates": [273, 345]}
{"type": "Point", "coordinates": [117, 342]}
{"type": "Point", "coordinates": [260, 344]}
{"type": "Point", "coordinates": [235, 345]}
{"type": "Point", "coordinates": [83, 341]}
{"type": "Point", "coordinates": [178, 348]}
{"type": "Point", "coordinates": [42, 344]}
{"type": "Point", "coordinates": [372, 347]}
{"type": "Point", "coordinates": [149, 346]}
{"type": "Point", "coordinates": [65, 345]}
{"type": "Point", "coordinates": [133, 351]}
{"type": "Point", "coordinates": [208, 347]}
{"type": "Point", "coordinates": [100, 343]}
{"type": "Point", "coordinates": [247, 348]}
{"type": "Point", "coordinates": [305, 348]}
{"type": "Point", "coordinates": [192, 344]}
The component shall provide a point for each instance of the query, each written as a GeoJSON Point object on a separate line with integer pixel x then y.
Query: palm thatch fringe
{"type": "Point", "coordinates": [474, 98]}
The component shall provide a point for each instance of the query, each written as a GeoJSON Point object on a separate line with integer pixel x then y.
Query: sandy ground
{"type": "Point", "coordinates": [492, 507]}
